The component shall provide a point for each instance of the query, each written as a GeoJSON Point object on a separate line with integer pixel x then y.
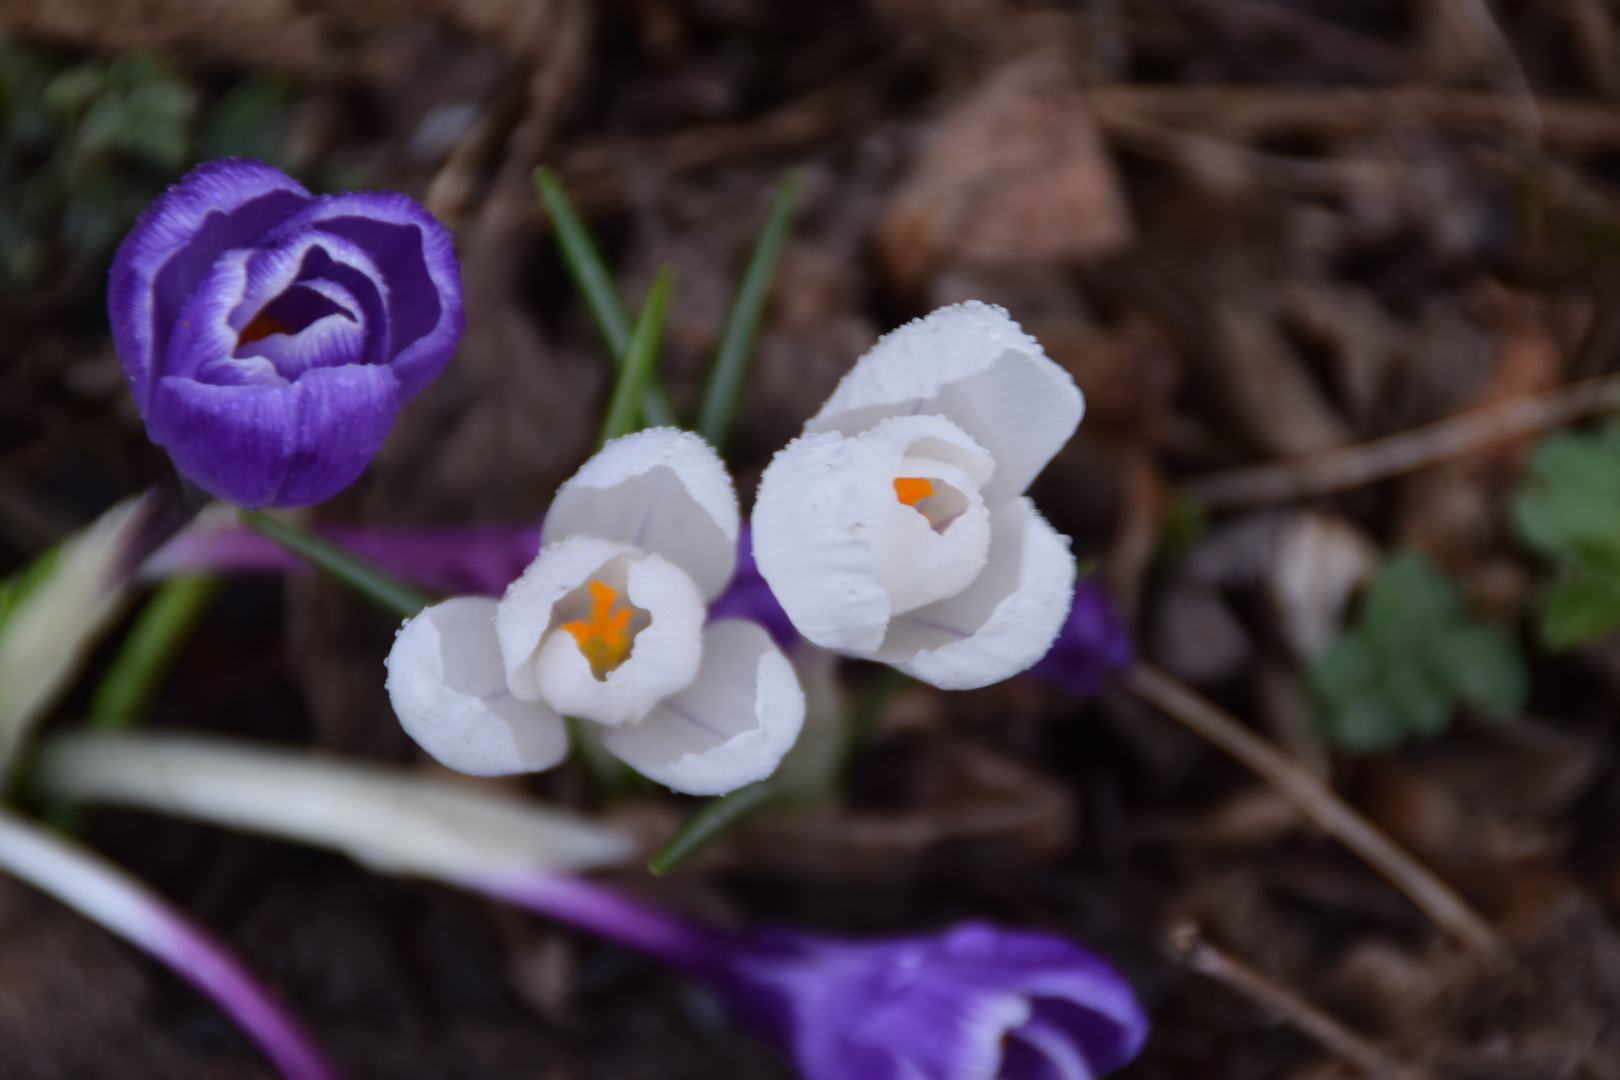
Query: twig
{"type": "Point", "coordinates": [1250, 112]}
{"type": "Point", "coordinates": [1318, 802]}
{"type": "Point", "coordinates": [1193, 952]}
{"type": "Point", "coordinates": [1352, 466]}
{"type": "Point", "coordinates": [1481, 35]}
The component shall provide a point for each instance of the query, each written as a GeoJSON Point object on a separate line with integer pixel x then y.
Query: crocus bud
{"type": "Point", "coordinates": [974, 1002]}
{"type": "Point", "coordinates": [895, 528]}
{"type": "Point", "coordinates": [977, 1002]}
{"type": "Point", "coordinates": [269, 336]}
{"type": "Point", "coordinates": [608, 625]}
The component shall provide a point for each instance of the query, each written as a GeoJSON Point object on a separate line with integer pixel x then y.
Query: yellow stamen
{"type": "Point", "coordinates": [603, 638]}
{"type": "Point", "coordinates": [912, 489]}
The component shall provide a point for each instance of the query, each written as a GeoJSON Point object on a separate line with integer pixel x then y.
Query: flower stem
{"type": "Point", "coordinates": [102, 892]}
{"type": "Point", "coordinates": [610, 914]}
{"type": "Point", "coordinates": [372, 582]}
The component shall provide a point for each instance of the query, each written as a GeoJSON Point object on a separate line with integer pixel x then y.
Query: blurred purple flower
{"type": "Point", "coordinates": [269, 335]}
{"type": "Point", "coordinates": [1094, 641]}
{"type": "Point", "coordinates": [748, 597]}
{"type": "Point", "coordinates": [975, 1002]}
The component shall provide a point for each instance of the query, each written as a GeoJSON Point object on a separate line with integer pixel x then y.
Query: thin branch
{"type": "Point", "coordinates": [1193, 952]}
{"type": "Point", "coordinates": [1251, 112]}
{"type": "Point", "coordinates": [1319, 802]}
{"type": "Point", "coordinates": [1352, 466]}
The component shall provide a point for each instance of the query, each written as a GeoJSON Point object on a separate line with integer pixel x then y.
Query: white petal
{"type": "Point", "coordinates": [824, 575]}
{"type": "Point", "coordinates": [730, 727]}
{"type": "Point", "coordinates": [448, 688]}
{"type": "Point", "coordinates": [972, 364]}
{"type": "Point", "coordinates": [664, 657]}
{"type": "Point", "coordinates": [662, 490]}
{"type": "Point", "coordinates": [919, 563]}
{"type": "Point", "coordinates": [524, 616]}
{"type": "Point", "coordinates": [1003, 622]}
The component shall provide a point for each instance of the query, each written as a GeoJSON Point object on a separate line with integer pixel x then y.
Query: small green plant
{"type": "Point", "coordinates": [85, 146]}
{"type": "Point", "coordinates": [1411, 657]}
{"type": "Point", "coordinates": [1568, 509]}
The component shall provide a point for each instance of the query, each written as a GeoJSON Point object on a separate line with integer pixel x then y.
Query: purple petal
{"type": "Point", "coordinates": [1094, 641]}
{"type": "Point", "coordinates": [417, 260]}
{"type": "Point", "coordinates": [291, 445]}
{"type": "Point", "coordinates": [217, 206]}
{"type": "Point", "coordinates": [749, 597]}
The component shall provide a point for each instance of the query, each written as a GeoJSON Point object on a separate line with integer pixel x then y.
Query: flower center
{"type": "Point", "coordinates": [935, 500]}
{"type": "Point", "coordinates": [604, 637]}
{"type": "Point", "coordinates": [262, 326]}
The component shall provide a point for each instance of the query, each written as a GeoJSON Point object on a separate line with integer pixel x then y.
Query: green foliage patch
{"type": "Point", "coordinates": [1412, 655]}
{"type": "Point", "coordinates": [1568, 509]}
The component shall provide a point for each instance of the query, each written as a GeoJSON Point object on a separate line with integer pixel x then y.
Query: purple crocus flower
{"type": "Point", "coordinates": [975, 1002]}
{"type": "Point", "coordinates": [1094, 641]}
{"type": "Point", "coordinates": [269, 335]}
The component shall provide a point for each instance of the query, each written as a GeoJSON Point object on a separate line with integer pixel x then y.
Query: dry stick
{"type": "Point", "coordinates": [1481, 35]}
{"type": "Point", "coordinates": [1318, 802]}
{"type": "Point", "coordinates": [1352, 466]}
{"type": "Point", "coordinates": [1251, 111]}
{"type": "Point", "coordinates": [1193, 952]}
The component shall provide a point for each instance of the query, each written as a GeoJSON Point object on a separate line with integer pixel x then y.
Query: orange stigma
{"type": "Point", "coordinates": [603, 638]}
{"type": "Point", "coordinates": [261, 326]}
{"type": "Point", "coordinates": [912, 489]}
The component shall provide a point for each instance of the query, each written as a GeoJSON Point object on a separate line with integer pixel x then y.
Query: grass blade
{"type": "Point", "coordinates": [150, 650]}
{"type": "Point", "coordinates": [625, 410]}
{"type": "Point", "coordinates": [372, 582]}
{"type": "Point", "coordinates": [712, 820]}
{"type": "Point", "coordinates": [737, 342]}
{"type": "Point", "coordinates": [595, 283]}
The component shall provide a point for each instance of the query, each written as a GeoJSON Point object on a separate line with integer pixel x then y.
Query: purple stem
{"type": "Point", "coordinates": [107, 895]}
{"type": "Point", "coordinates": [206, 964]}
{"type": "Point", "coordinates": [602, 911]}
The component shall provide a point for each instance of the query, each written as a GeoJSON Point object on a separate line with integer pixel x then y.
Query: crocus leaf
{"type": "Point", "coordinates": [595, 283]}
{"type": "Point", "coordinates": [710, 821]}
{"type": "Point", "coordinates": [625, 410]}
{"type": "Point", "coordinates": [737, 341]}
{"type": "Point", "coordinates": [1413, 654]}
{"type": "Point", "coordinates": [367, 579]}
{"type": "Point", "coordinates": [150, 649]}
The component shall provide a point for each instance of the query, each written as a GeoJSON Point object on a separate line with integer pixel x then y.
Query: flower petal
{"type": "Point", "coordinates": [217, 206]}
{"type": "Point", "coordinates": [974, 365]}
{"type": "Point", "coordinates": [730, 727]}
{"type": "Point", "coordinates": [276, 446]}
{"type": "Point", "coordinates": [1002, 623]}
{"type": "Point", "coordinates": [825, 575]}
{"type": "Point", "coordinates": [448, 689]}
{"type": "Point", "coordinates": [418, 261]}
{"type": "Point", "coordinates": [524, 616]}
{"type": "Point", "coordinates": [663, 490]}
{"type": "Point", "coordinates": [664, 657]}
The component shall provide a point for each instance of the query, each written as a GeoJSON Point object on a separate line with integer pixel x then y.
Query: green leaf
{"type": "Point", "coordinates": [730, 365]}
{"type": "Point", "coordinates": [15, 589]}
{"type": "Point", "coordinates": [625, 409]}
{"type": "Point", "coordinates": [150, 649]}
{"type": "Point", "coordinates": [710, 821]}
{"type": "Point", "coordinates": [1412, 655]}
{"type": "Point", "coordinates": [1485, 669]}
{"type": "Point", "coordinates": [595, 283]}
{"type": "Point", "coordinates": [1568, 510]}
{"type": "Point", "coordinates": [248, 121]}
{"type": "Point", "coordinates": [372, 582]}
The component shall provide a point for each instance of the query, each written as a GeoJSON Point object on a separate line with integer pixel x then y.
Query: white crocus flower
{"type": "Point", "coordinates": [607, 625]}
{"type": "Point", "coordinates": [895, 527]}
